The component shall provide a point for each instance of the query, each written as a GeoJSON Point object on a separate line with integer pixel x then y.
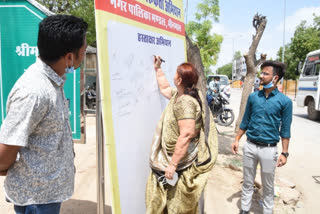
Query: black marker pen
{"type": "Point", "coordinates": [160, 59]}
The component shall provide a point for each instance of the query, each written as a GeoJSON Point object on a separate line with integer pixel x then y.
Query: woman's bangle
{"type": "Point", "coordinates": [175, 165]}
{"type": "Point", "coordinates": [237, 138]}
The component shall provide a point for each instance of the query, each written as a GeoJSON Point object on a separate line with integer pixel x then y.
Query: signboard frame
{"type": "Point", "coordinates": [109, 14]}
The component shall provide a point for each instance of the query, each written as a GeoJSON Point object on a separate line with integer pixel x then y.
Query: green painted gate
{"type": "Point", "coordinates": [19, 20]}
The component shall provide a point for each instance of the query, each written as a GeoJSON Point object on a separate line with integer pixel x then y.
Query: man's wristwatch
{"type": "Point", "coordinates": [286, 154]}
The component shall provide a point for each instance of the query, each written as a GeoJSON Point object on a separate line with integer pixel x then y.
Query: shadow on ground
{"type": "Point", "coordinates": [235, 195]}
{"type": "Point", "coordinates": [74, 206]}
{"type": "Point", "coordinates": [225, 138]}
{"type": "Point", "coordinates": [256, 208]}
{"type": "Point", "coordinates": [316, 179]}
{"type": "Point", "coordinates": [305, 116]}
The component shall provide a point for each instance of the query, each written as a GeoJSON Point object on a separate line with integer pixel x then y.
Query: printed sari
{"type": "Point", "coordinates": [193, 169]}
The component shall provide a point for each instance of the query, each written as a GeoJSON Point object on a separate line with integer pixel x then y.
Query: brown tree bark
{"type": "Point", "coordinates": [259, 22]}
{"type": "Point", "coordinates": [194, 57]}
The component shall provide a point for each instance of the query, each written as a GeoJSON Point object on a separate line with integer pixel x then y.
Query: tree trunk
{"type": "Point", "coordinates": [252, 65]}
{"type": "Point", "coordinates": [194, 57]}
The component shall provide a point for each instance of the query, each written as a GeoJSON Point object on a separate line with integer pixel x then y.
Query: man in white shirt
{"type": "Point", "coordinates": [214, 89]}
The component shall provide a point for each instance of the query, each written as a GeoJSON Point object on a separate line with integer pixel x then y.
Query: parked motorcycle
{"type": "Point", "coordinates": [91, 97]}
{"type": "Point", "coordinates": [223, 113]}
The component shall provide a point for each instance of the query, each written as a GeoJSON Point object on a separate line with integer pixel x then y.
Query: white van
{"type": "Point", "coordinates": [309, 85]}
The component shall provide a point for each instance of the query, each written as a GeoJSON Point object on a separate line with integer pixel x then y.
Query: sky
{"type": "Point", "coordinates": [235, 24]}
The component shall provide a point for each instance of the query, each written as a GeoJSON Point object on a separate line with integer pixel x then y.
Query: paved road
{"type": "Point", "coordinates": [303, 167]}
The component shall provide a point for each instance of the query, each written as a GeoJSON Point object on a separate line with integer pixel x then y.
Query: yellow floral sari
{"type": "Point", "coordinates": [193, 169]}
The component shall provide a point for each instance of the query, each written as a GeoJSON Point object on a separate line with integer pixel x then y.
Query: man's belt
{"type": "Point", "coordinates": [261, 143]}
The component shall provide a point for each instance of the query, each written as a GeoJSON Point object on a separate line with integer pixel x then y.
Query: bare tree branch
{"type": "Point", "coordinates": [262, 59]}
{"type": "Point", "coordinates": [259, 23]}
{"type": "Point", "coordinates": [257, 37]}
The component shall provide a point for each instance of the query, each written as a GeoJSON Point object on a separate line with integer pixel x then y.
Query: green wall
{"type": "Point", "coordinates": [19, 22]}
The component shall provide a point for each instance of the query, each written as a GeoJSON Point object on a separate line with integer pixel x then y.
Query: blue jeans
{"type": "Point", "coordinates": [209, 98]}
{"type": "Point", "coordinates": [53, 208]}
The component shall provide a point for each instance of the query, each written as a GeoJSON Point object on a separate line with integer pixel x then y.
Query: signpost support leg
{"type": "Point", "coordinates": [100, 153]}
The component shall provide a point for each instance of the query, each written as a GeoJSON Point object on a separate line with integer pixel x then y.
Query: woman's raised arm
{"type": "Point", "coordinates": [163, 83]}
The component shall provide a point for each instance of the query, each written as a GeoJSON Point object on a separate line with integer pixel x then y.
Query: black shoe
{"type": "Point", "coordinates": [244, 212]}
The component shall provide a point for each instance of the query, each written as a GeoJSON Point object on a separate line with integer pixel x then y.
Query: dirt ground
{"type": "Point", "coordinates": [223, 190]}
{"type": "Point", "coordinates": [222, 193]}
{"type": "Point", "coordinates": [84, 199]}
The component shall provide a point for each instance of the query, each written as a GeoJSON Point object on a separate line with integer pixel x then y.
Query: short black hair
{"type": "Point", "coordinates": [279, 68]}
{"type": "Point", "coordinates": [59, 35]}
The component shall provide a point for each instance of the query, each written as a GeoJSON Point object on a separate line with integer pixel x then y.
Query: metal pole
{"type": "Point", "coordinates": [295, 89]}
{"type": "Point", "coordinates": [186, 12]}
{"type": "Point", "coordinates": [84, 100]}
{"type": "Point", "coordinates": [100, 149]}
{"type": "Point", "coordinates": [233, 48]}
{"type": "Point", "coordinates": [285, 89]}
{"type": "Point", "coordinates": [201, 201]}
{"type": "Point", "coordinates": [284, 30]}
{"type": "Point", "coordinates": [283, 41]}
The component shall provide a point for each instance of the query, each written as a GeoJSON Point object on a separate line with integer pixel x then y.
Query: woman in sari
{"type": "Point", "coordinates": [185, 142]}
